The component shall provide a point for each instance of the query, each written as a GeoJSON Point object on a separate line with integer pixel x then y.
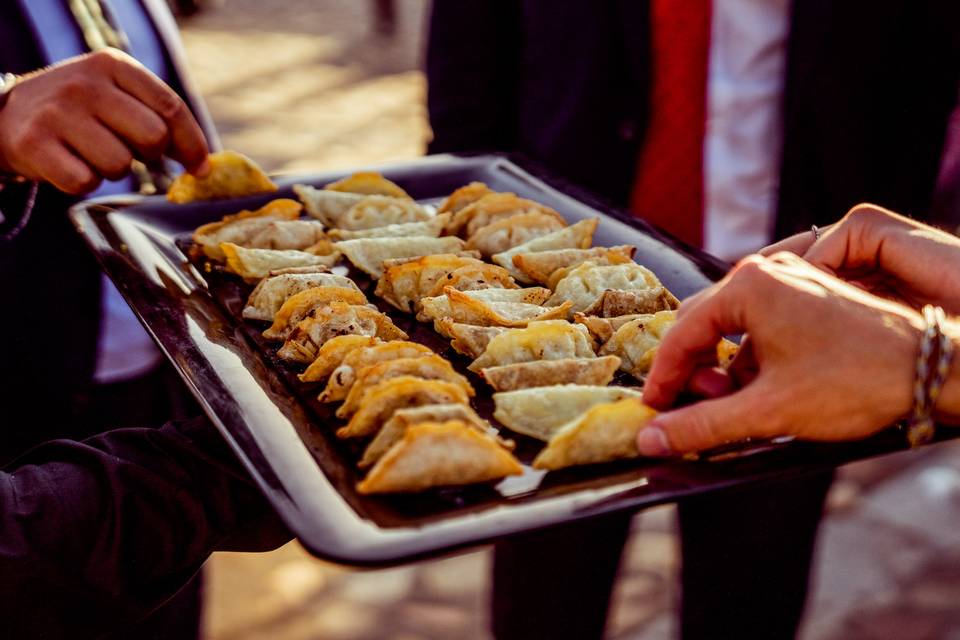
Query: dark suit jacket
{"type": "Point", "coordinates": [870, 85]}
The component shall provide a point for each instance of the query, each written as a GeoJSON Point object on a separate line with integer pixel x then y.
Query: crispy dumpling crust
{"type": "Point", "coordinates": [345, 374]}
{"type": "Point", "coordinates": [474, 277]}
{"type": "Point", "coordinates": [380, 211]}
{"type": "Point", "coordinates": [325, 205]}
{"type": "Point", "coordinates": [544, 373]}
{"type": "Point", "coordinates": [368, 183]}
{"type": "Point", "coordinates": [605, 432]}
{"type": "Point", "coordinates": [336, 319]}
{"type": "Point", "coordinates": [243, 228]}
{"type": "Point", "coordinates": [255, 264]}
{"type": "Point", "coordinates": [270, 294]}
{"type": "Point", "coordinates": [403, 285]}
{"type": "Point", "coordinates": [613, 303]}
{"type": "Point", "coordinates": [433, 454]}
{"type": "Point", "coordinates": [300, 305]}
{"type": "Point", "coordinates": [586, 283]}
{"type": "Point", "coordinates": [397, 393]}
{"type": "Point", "coordinates": [464, 196]}
{"type": "Point", "coordinates": [232, 175]}
{"type": "Point", "coordinates": [438, 307]}
{"type": "Point", "coordinates": [577, 236]}
{"type": "Point", "coordinates": [332, 354]}
{"type": "Point", "coordinates": [472, 310]}
{"type": "Point", "coordinates": [507, 233]}
{"type": "Point", "coordinates": [547, 340]}
{"type": "Point", "coordinates": [539, 266]}
{"type": "Point", "coordinates": [431, 228]}
{"type": "Point", "coordinates": [602, 329]}
{"type": "Point", "coordinates": [636, 342]}
{"type": "Point", "coordinates": [491, 208]}
{"type": "Point", "coordinates": [467, 339]}
{"type": "Point", "coordinates": [369, 254]}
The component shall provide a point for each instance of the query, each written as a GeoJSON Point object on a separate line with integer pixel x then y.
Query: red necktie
{"type": "Point", "coordinates": [668, 188]}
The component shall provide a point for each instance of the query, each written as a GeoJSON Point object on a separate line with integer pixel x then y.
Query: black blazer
{"type": "Point", "coordinates": [870, 85]}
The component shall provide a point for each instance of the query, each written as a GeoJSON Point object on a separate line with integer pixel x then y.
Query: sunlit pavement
{"type": "Point", "coordinates": [314, 85]}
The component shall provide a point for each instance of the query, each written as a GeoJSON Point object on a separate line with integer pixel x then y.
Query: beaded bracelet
{"type": "Point", "coordinates": [933, 365]}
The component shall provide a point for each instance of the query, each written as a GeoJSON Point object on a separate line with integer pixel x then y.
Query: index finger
{"type": "Point", "coordinates": [188, 145]}
{"type": "Point", "coordinates": [797, 244]}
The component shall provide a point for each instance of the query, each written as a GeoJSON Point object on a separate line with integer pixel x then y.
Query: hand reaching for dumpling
{"type": "Point", "coordinates": [79, 122]}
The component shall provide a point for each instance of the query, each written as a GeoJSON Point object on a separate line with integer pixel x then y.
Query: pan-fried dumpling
{"type": "Point", "coordinates": [605, 432]}
{"type": "Point", "coordinates": [468, 339]}
{"type": "Point", "coordinates": [494, 207]}
{"type": "Point", "coordinates": [332, 320]}
{"type": "Point", "coordinates": [613, 303]}
{"type": "Point", "coordinates": [503, 234]}
{"type": "Point", "coordinates": [403, 285]}
{"type": "Point", "coordinates": [402, 419]}
{"type": "Point", "coordinates": [380, 211]}
{"type": "Point", "coordinates": [255, 264]}
{"type": "Point", "coordinates": [602, 329]}
{"type": "Point", "coordinates": [431, 228]}
{"type": "Point", "coordinates": [545, 373]}
{"type": "Point", "coordinates": [319, 268]}
{"type": "Point", "coordinates": [346, 372]}
{"type": "Point", "coordinates": [587, 282]}
{"type": "Point", "coordinates": [369, 183]}
{"type": "Point", "coordinates": [332, 354]}
{"type": "Point", "coordinates": [636, 342]}
{"type": "Point", "coordinates": [539, 266]}
{"type": "Point", "coordinates": [726, 352]}
{"type": "Point", "coordinates": [272, 292]}
{"type": "Point", "coordinates": [243, 227]}
{"type": "Point", "coordinates": [467, 307]}
{"type": "Point", "coordinates": [326, 205]}
{"type": "Point", "coordinates": [436, 307]}
{"type": "Point", "coordinates": [232, 175]}
{"type": "Point", "coordinates": [428, 367]}
{"type": "Point", "coordinates": [464, 196]}
{"type": "Point", "coordinates": [368, 254]}
{"type": "Point", "coordinates": [287, 234]}
{"type": "Point", "coordinates": [577, 236]}
{"type": "Point", "coordinates": [433, 454]}
{"type": "Point", "coordinates": [474, 277]}
{"type": "Point", "coordinates": [549, 340]}
{"type": "Point", "coordinates": [539, 412]}
{"type": "Point", "coordinates": [399, 393]}
{"type": "Point", "coordinates": [299, 306]}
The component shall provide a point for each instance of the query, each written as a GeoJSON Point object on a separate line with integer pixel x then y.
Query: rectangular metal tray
{"type": "Point", "coordinates": [284, 437]}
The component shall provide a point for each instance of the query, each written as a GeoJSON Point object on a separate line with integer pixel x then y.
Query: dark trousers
{"type": "Point", "coordinates": [746, 564]}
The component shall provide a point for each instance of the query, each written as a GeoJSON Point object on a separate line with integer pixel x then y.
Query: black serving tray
{"type": "Point", "coordinates": [285, 438]}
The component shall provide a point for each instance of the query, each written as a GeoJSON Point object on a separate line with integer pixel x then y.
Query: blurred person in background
{"type": "Point", "coordinates": [728, 124]}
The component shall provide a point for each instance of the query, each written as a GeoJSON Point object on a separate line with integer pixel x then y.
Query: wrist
{"type": "Point", "coordinates": [7, 82]}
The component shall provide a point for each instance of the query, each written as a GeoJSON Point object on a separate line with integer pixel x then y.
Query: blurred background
{"type": "Point", "coordinates": [335, 84]}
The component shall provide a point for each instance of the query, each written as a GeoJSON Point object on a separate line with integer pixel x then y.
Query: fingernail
{"type": "Point", "coordinates": [652, 441]}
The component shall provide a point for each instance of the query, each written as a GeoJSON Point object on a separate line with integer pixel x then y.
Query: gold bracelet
{"type": "Point", "coordinates": [933, 365]}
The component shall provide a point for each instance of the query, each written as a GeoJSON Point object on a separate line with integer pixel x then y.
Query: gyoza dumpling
{"type": "Point", "coordinates": [464, 196]}
{"type": "Point", "coordinates": [380, 211]}
{"type": "Point", "coordinates": [399, 393]}
{"type": "Point", "coordinates": [402, 419]}
{"type": "Point", "coordinates": [240, 228]}
{"type": "Point", "coordinates": [576, 236]}
{"type": "Point", "coordinates": [232, 175]}
{"type": "Point", "coordinates": [336, 319]}
{"type": "Point", "coordinates": [273, 291]}
{"type": "Point", "coordinates": [471, 309]}
{"type": "Point", "coordinates": [587, 282]}
{"type": "Point", "coordinates": [501, 235]}
{"type": "Point", "coordinates": [428, 367]}
{"type": "Point", "coordinates": [437, 307]}
{"type": "Point", "coordinates": [433, 454]}
{"type": "Point", "coordinates": [368, 254]}
{"type": "Point", "coordinates": [539, 266]}
{"type": "Point", "coordinates": [468, 339]}
{"type": "Point", "coordinates": [474, 277]}
{"type": "Point", "coordinates": [613, 303]}
{"type": "Point", "coordinates": [636, 342]}
{"type": "Point", "coordinates": [346, 372]}
{"type": "Point", "coordinates": [369, 183]}
{"type": "Point", "coordinates": [403, 285]}
{"type": "Point", "coordinates": [325, 205]}
{"type": "Point", "coordinates": [545, 373]}
{"type": "Point", "coordinates": [491, 208]}
{"type": "Point", "coordinates": [549, 340]}
{"type": "Point", "coordinates": [602, 329]}
{"type": "Point", "coordinates": [539, 412]}
{"type": "Point", "coordinates": [332, 354]}
{"type": "Point", "coordinates": [255, 264]}
{"type": "Point", "coordinates": [287, 234]}
{"type": "Point", "coordinates": [431, 228]}
{"type": "Point", "coordinates": [300, 305]}
{"type": "Point", "coordinates": [605, 432]}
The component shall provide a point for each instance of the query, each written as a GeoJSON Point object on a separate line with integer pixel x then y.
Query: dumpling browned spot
{"type": "Point", "coordinates": [346, 372]}
{"type": "Point", "coordinates": [507, 233]}
{"type": "Point", "coordinates": [587, 282]}
{"type": "Point", "coordinates": [546, 340]}
{"type": "Point", "coordinates": [539, 266]}
{"type": "Point", "coordinates": [270, 294]}
{"type": "Point", "coordinates": [437, 307]}
{"type": "Point", "coordinates": [474, 277]}
{"type": "Point", "coordinates": [636, 342]}
{"type": "Point", "coordinates": [402, 285]}
{"type": "Point", "coordinates": [241, 228]}
{"type": "Point", "coordinates": [298, 306]}
{"type": "Point", "coordinates": [613, 303]}
{"type": "Point", "coordinates": [255, 264]}
{"type": "Point", "coordinates": [470, 309]}
{"type": "Point", "coordinates": [399, 393]}
{"type": "Point", "coordinates": [544, 373]}
{"type": "Point", "coordinates": [232, 175]}
{"type": "Point", "coordinates": [493, 207]}
{"type": "Point", "coordinates": [332, 354]}
{"type": "Point", "coordinates": [369, 254]}
{"type": "Point", "coordinates": [468, 339]}
{"type": "Point", "coordinates": [464, 196]}
{"type": "Point", "coordinates": [332, 320]}
{"type": "Point", "coordinates": [602, 329]}
{"type": "Point", "coordinates": [577, 236]}
{"type": "Point", "coordinates": [368, 183]}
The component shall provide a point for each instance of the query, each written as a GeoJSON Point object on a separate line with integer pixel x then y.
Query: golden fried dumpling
{"type": "Point", "coordinates": [402, 419]}
{"type": "Point", "coordinates": [494, 207]}
{"type": "Point", "coordinates": [539, 266]}
{"type": "Point", "coordinates": [244, 228]}
{"type": "Point", "coordinates": [726, 352]}
{"type": "Point", "coordinates": [474, 277]}
{"type": "Point", "coordinates": [368, 254]}
{"type": "Point", "coordinates": [381, 211]}
{"type": "Point", "coordinates": [437, 307]}
{"type": "Point", "coordinates": [428, 367]}
{"type": "Point", "coordinates": [469, 308]}
{"type": "Point", "coordinates": [399, 393]}
{"type": "Point", "coordinates": [346, 372]}
{"type": "Point", "coordinates": [506, 233]}
{"type": "Point", "coordinates": [586, 283]}
{"type": "Point", "coordinates": [332, 354]}
{"type": "Point", "coordinates": [544, 373]}
{"type": "Point", "coordinates": [300, 305]}
{"type": "Point", "coordinates": [539, 411]}
{"type": "Point", "coordinates": [602, 329]}
{"type": "Point", "coordinates": [403, 285]}
{"type": "Point", "coordinates": [548, 340]}
{"type": "Point", "coordinates": [464, 196]}
{"type": "Point", "coordinates": [332, 320]}
{"type": "Point", "coordinates": [325, 205]}
{"type": "Point", "coordinates": [577, 236]}
{"type": "Point", "coordinates": [254, 264]}
{"type": "Point", "coordinates": [430, 228]}
{"type": "Point", "coordinates": [368, 183]}
{"type": "Point", "coordinates": [273, 291]}
{"type": "Point", "coordinates": [636, 342]}
{"type": "Point", "coordinates": [613, 303]}
{"type": "Point", "coordinates": [232, 175]}
{"type": "Point", "coordinates": [468, 339]}
{"type": "Point", "coordinates": [605, 432]}
{"type": "Point", "coordinates": [434, 454]}
{"type": "Point", "coordinates": [287, 234]}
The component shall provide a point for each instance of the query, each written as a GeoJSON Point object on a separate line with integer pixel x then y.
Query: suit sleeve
{"type": "Point", "coordinates": [472, 65]}
{"type": "Point", "coordinates": [95, 535]}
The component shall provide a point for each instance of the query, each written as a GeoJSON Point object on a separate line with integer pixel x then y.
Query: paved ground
{"type": "Point", "coordinates": [314, 85]}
